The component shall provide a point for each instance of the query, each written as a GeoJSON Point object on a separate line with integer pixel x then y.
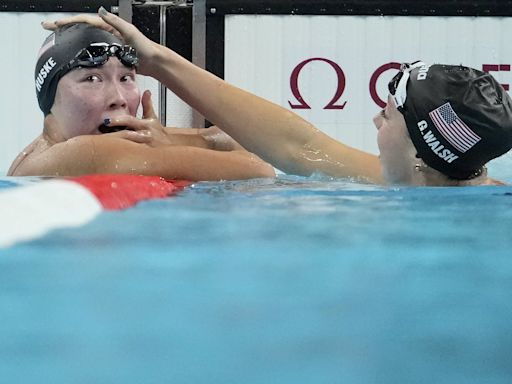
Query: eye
{"type": "Point", "coordinates": [92, 78]}
{"type": "Point", "coordinates": [383, 113]}
{"type": "Point", "coordinates": [128, 77]}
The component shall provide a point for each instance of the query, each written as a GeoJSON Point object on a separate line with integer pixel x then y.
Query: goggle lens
{"type": "Point", "coordinates": [98, 54]}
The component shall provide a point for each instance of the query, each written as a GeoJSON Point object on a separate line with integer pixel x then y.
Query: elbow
{"type": "Point", "coordinates": [250, 166]}
{"type": "Point", "coordinates": [267, 170]}
{"type": "Point", "coordinates": [258, 169]}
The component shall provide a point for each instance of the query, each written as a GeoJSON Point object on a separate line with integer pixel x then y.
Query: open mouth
{"type": "Point", "coordinates": [106, 129]}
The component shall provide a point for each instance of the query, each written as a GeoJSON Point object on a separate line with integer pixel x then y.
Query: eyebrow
{"type": "Point", "coordinates": [102, 68]}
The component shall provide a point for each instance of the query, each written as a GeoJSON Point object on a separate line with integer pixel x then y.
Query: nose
{"type": "Point", "coordinates": [377, 120]}
{"type": "Point", "coordinates": [116, 97]}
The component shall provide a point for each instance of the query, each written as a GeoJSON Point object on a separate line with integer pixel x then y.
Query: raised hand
{"type": "Point", "coordinates": [146, 49]}
{"type": "Point", "coordinates": [84, 18]}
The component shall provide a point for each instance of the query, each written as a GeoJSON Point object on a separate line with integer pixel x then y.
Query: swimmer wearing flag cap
{"type": "Point", "coordinates": [441, 125]}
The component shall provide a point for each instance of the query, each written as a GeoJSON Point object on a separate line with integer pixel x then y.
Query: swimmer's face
{"type": "Point", "coordinates": [397, 153]}
{"type": "Point", "coordinates": [87, 96]}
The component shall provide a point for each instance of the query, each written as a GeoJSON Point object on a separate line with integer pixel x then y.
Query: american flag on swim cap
{"type": "Point", "coordinates": [453, 129]}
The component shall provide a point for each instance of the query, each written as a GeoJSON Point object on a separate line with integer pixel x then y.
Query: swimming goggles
{"type": "Point", "coordinates": [398, 84]}
{"type": "Point", "coordinates": [97, 54]}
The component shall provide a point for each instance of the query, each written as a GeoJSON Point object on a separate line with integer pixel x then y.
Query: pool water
{"type": "Point", "coordinates": [291, 280]}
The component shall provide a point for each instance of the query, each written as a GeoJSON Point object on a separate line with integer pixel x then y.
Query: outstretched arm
{"type": "Point", "coordinates": [146, 149]}
{"type": "Point", "coordinates": [277, 135]}
{"type": "Point", "coordinates": [101, 154]}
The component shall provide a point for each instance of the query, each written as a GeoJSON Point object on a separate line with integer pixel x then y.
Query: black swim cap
{"type": "Point", "coordinates": [57, 51]}
{"type": "Point", "coordinates": [458, 118]}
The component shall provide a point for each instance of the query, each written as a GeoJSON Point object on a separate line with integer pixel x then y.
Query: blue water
{"type": "Point", "coordinates": [286, 281]}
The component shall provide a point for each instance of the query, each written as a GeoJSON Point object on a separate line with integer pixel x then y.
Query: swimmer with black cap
{"type": "Point", "coordinates": [441, 125]}
{"type": "Point", "coordinates": [85, 81]}
{"type": "Point", "coordinates": [458, 119]}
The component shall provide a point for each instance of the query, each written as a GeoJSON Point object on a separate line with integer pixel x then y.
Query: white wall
{"type": "Point", "coordinates": [21, 36]}
{"type": "Point", "coordinates": [263, 50]}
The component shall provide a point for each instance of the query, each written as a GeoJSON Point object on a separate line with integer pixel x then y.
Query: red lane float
{"type": "Point", "coordinates": [116, 192]}
{"type": "Point", "coordinates": [33, 210]}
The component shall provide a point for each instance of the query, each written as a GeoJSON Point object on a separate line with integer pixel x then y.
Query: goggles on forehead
{"type": "Point", "coordinates": [97, 54]}
{"type": "Point", "coordinates": [398, 84]}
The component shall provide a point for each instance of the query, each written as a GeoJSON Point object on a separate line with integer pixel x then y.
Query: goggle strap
{"type": "Point", "coordinates": [400, 95]}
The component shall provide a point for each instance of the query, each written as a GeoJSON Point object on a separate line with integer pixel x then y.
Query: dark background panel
{"type": "Point", "coordinates": [363, 7]}
{"type": "Point", "coordinates": [315, 7]}
{"type": "Point", "coordinates": [215, 46]}
{"type": "Point", "coordinates": [179, 26]}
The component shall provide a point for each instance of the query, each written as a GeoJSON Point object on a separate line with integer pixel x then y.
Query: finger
{"type": "Point", "coordinates": [49, 25]}
{"type": "Point", "coordinates": [126, 121]}
{"type": "Point", "coordinates": [148, 111]}
{"type": "Point", "coordinates": [141, 137]}
{"type": "Point", "coordinates": [89, 19]}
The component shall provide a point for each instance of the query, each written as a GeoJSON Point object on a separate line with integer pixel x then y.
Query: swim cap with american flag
{"type": "Point", "coordinates": [458, 117]}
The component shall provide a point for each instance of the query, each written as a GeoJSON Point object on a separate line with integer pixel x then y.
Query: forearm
{"type": "Point", "coordinates": [97, 154]}
{"type": "Point", "coordinates": [103, 155]}
{"type": "Point", "coordinates": [190, 163]}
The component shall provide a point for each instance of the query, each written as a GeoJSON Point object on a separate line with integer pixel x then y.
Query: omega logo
{"type": "Point", "coordinates": [294, 85]}
{"type": "Point", "coordinates": [340, 88]}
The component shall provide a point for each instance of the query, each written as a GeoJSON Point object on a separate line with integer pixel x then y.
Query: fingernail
{"type": "Point", "coordinates": [149, 93]}
{"type": "Point", "coordinates": [102, 11]}
{"type": "Point", "coordinates": [106, 121]}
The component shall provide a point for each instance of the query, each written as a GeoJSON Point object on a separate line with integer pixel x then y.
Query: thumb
{"type": "Point", "coordinates": [148, 112]}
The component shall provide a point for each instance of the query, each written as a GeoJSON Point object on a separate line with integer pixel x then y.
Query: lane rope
{"type": "Point", "coordinates": [31, 211]}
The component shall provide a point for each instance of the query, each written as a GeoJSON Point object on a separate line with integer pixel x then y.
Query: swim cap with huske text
{"type": "Point", "coordinates": [57, 51]}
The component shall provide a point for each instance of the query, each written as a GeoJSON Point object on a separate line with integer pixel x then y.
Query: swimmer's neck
{"type": "Point", "coordinates": [427, 176]}
{"type": "Point", "coordinates": [491, 181]}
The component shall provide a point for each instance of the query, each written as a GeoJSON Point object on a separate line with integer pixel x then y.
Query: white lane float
{"type": "Point", "coordinates": [32, 210]}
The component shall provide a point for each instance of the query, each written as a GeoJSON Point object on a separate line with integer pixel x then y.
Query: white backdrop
{"type": "Point", "coordinates": [263, 51]}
